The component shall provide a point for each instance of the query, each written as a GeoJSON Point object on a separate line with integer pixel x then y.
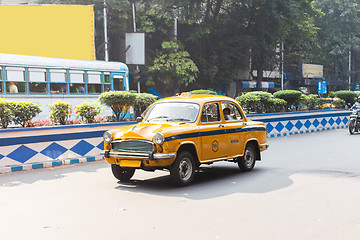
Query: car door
{"type": "Point", "coordinates": [234, 123]}
{"type": "Point", "coordinates": [212, 132]}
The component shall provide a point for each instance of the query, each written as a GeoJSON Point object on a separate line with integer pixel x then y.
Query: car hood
{"type": "Point", "coordinates": [146, 131]}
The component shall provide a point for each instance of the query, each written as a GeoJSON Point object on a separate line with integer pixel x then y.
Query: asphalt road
{"type": "Point", "coordinates": [306, 187]}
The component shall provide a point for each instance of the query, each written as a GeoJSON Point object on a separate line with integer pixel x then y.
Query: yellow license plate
{"type": "Point", "coordinates": [130, 163]}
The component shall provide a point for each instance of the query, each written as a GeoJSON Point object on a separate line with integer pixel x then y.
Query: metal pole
{"type": "Point", "coordinates": [349, 70]}
{"type": "Point", "coordinates": [134, 22]}
{"type": "Point", "coordinates": [133, 11]}
{"type": "Point", "coordinates": [282, 66]}
{"type": "Point", "coordinates": [105, 33]}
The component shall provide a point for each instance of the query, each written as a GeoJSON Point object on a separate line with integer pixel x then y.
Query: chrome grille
{"type": "Point", "coordinates": [132, 146]}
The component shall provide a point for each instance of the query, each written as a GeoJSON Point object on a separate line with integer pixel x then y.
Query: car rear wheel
{"type": "Point", "coordinates": [182, 171]}
{"type": "Point", "coordinates": [122, 174]}
{"type": "Point", "coordinates": [247, 162]}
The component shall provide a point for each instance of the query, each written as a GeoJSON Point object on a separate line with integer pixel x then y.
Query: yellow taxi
{"type": "Point", "coordinates": [180, 133]}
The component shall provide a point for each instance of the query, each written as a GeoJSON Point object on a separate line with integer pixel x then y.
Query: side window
{"type": "Point", "coordinates": [231, 112]}
{"type": "Point", "coordinates": [210, 113]}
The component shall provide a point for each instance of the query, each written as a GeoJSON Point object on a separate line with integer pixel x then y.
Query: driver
{"type": "Point", "coordinates": [356, 104]}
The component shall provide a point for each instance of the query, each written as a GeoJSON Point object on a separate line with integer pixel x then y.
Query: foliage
{"type": "Point", "coordinates": [250, 103]}
{"type": "Point", "coordinates": [339, 30]}
{"type": "Point", "coordinates": [348, 96]}
{"type": "Point", "coordinates": [24, 112]}
{"type": "Point", "coordinates": [6, 113]}
{"type": "Point", "coordinates": [87, 111]}
{"type": "Point", "coordinates": [142, 101]}
{"type": "Point", "coordinates": [292, 97]}
{"type": "Point", "coordinates": [40, 123]}
{"type": "Point", "coordinates": [261, 102]}
{"type": "Point", "coordinates": [118, 101]}
{"type": "Point", "coordinates": [203, 91]}
{"type": "Point", "coordinates": [60, 112]}
{"type": "Point", "coordinates": [339, 103]}
{"type": "Point", "coordinates": [173, 65]}
{"type": "Point", "coordinates": [310, 101]}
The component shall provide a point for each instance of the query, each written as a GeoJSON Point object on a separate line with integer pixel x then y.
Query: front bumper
{"type": "Point", "coordinates": [137, 156]}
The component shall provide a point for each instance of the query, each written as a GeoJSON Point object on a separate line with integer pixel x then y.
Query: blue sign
{"type": "Point", "coordinates": [322, 87]}
{"type": "Point", "coordinates": [357, 87]}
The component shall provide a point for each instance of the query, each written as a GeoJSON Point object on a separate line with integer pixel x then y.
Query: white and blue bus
{"type": "Point", "coordinates": [46, 80]}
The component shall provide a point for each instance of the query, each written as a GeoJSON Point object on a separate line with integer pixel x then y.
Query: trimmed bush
{"type": "Point", "coordinates": [24, 112]}
{"type": "Point", "coordinates": [250, 103]}
{"type": "Point", "coordinates": [292, 97]}
{"type": "Point", "coordinates": [142, 101]}
{"type": "Point", "coordinates": [87, 111]}
{"type": "Point", "coordinates": [60, 112]}
{"type": "Point", "coordinates": [203, 91]}
{"type": "Point", "coordinates": [348, 96]}
{"type": "Point", "coordinates": [6, 113]}
{"type": "Point", "coordinates": [260, 102]}
{"type": "Point", "coordinates": [277, 105]}
{"type": "Point", "coordinates": [310, 101]}
{"type": "Point", "coordinates": [339, 103]}
{"type": "Point", "coordinates": [118, 101]}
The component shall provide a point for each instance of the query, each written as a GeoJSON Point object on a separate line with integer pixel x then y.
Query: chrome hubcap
{"type": "Point", "coordinates": [185, 169]}
{"type": "Point", "coordinates": [249, 157]}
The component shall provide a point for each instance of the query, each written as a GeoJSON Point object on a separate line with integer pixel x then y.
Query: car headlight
{"type": "Point", "coordinates": [159, 138]}
{"type": "Point", "coordinates": [107, 137]}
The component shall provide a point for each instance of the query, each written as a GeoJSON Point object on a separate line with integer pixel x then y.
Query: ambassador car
{"type": "Point", "coordinates": [183, 132]}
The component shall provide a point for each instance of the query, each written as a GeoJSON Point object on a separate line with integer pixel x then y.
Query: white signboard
{"type": "Point", "coordinates": [135, 48]}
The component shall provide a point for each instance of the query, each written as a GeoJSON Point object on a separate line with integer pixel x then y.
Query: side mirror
{"type": "Point", "coordinates": [139, 119]}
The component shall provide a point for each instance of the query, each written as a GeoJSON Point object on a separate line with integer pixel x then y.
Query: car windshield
{"type": "Point", "coordinates": [173, 111]}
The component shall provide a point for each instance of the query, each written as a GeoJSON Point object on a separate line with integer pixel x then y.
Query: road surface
{"type": "Point", "coordinates": [305, 187]}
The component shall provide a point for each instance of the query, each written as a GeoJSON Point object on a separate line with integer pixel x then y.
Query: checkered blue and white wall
{"type": "Point", "coordinates": [37, 145]}
{"type": "Point", "coordinates": [285, 124]}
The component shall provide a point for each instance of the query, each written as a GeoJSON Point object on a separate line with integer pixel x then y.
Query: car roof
{"type": "Point", "coordinates": [197, 98]}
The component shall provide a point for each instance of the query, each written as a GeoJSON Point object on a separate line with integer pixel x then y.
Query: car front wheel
{"type": "Point", "coordinates": [247, 162]}
{"type": "Point", "coordinates": [182, 171]}
{"type": "Point", "coordinates": [122, 174]}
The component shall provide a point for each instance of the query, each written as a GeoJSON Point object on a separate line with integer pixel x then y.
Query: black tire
{"type": "Point", "coordinates": [122, 174]}
{"type": "Point", "coordinates": [352, 126]}
{"type": "Point", "coordinates": [182, 171]}
{"type": "Point", "coordinates": [247, 162]}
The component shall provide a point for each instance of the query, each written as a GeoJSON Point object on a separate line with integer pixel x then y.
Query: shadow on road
{"type": "Point", "coordinates": [31, 176]}
{"type": "Point", "coordinates": [212, 182]}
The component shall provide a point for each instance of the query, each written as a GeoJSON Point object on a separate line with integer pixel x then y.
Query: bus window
{"type": "Point", "coordinates": [118, 82]}
{"type": "Point", "coordinates": [15, 74]}
{"type": "Point", "coordinates": [15, 80]}
{"type": "Point", "coordinates": [1, 82]}
{"type": "Point", "coordinates": [76, 76]}
{"type": "Point", "coordinates": [37, 80]}
{"type": "Point", "coordinates": [77, 88]}
{"type": "Point", "coordinates": [58, 81]}
{"type": "Point", "coordinates": [106, 77]}
{"type": "Point", "coordinates": [94, 88]}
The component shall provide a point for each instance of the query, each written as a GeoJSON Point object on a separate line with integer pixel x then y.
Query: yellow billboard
{"type": "Point", "coordinates": [60, 31]}
{"type": "Point", "coordinates": [312, 71]}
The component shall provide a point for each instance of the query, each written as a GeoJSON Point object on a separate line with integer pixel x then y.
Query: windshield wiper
{"type": "Point", "coordinates": [179, 119]}
{"type": "Point", "coordinates": [158, 117]}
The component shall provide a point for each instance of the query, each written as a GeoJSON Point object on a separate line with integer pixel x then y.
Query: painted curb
{"type": "Point", "coordinates": [49, 164]}
{"type": "Point", "coordinates": [303, 132]}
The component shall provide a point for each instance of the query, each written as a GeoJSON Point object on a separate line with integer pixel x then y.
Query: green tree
{"type": "Point", "coordinates": [339, 33]}
{"type": "Point", "coordinates": [173, 66]}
